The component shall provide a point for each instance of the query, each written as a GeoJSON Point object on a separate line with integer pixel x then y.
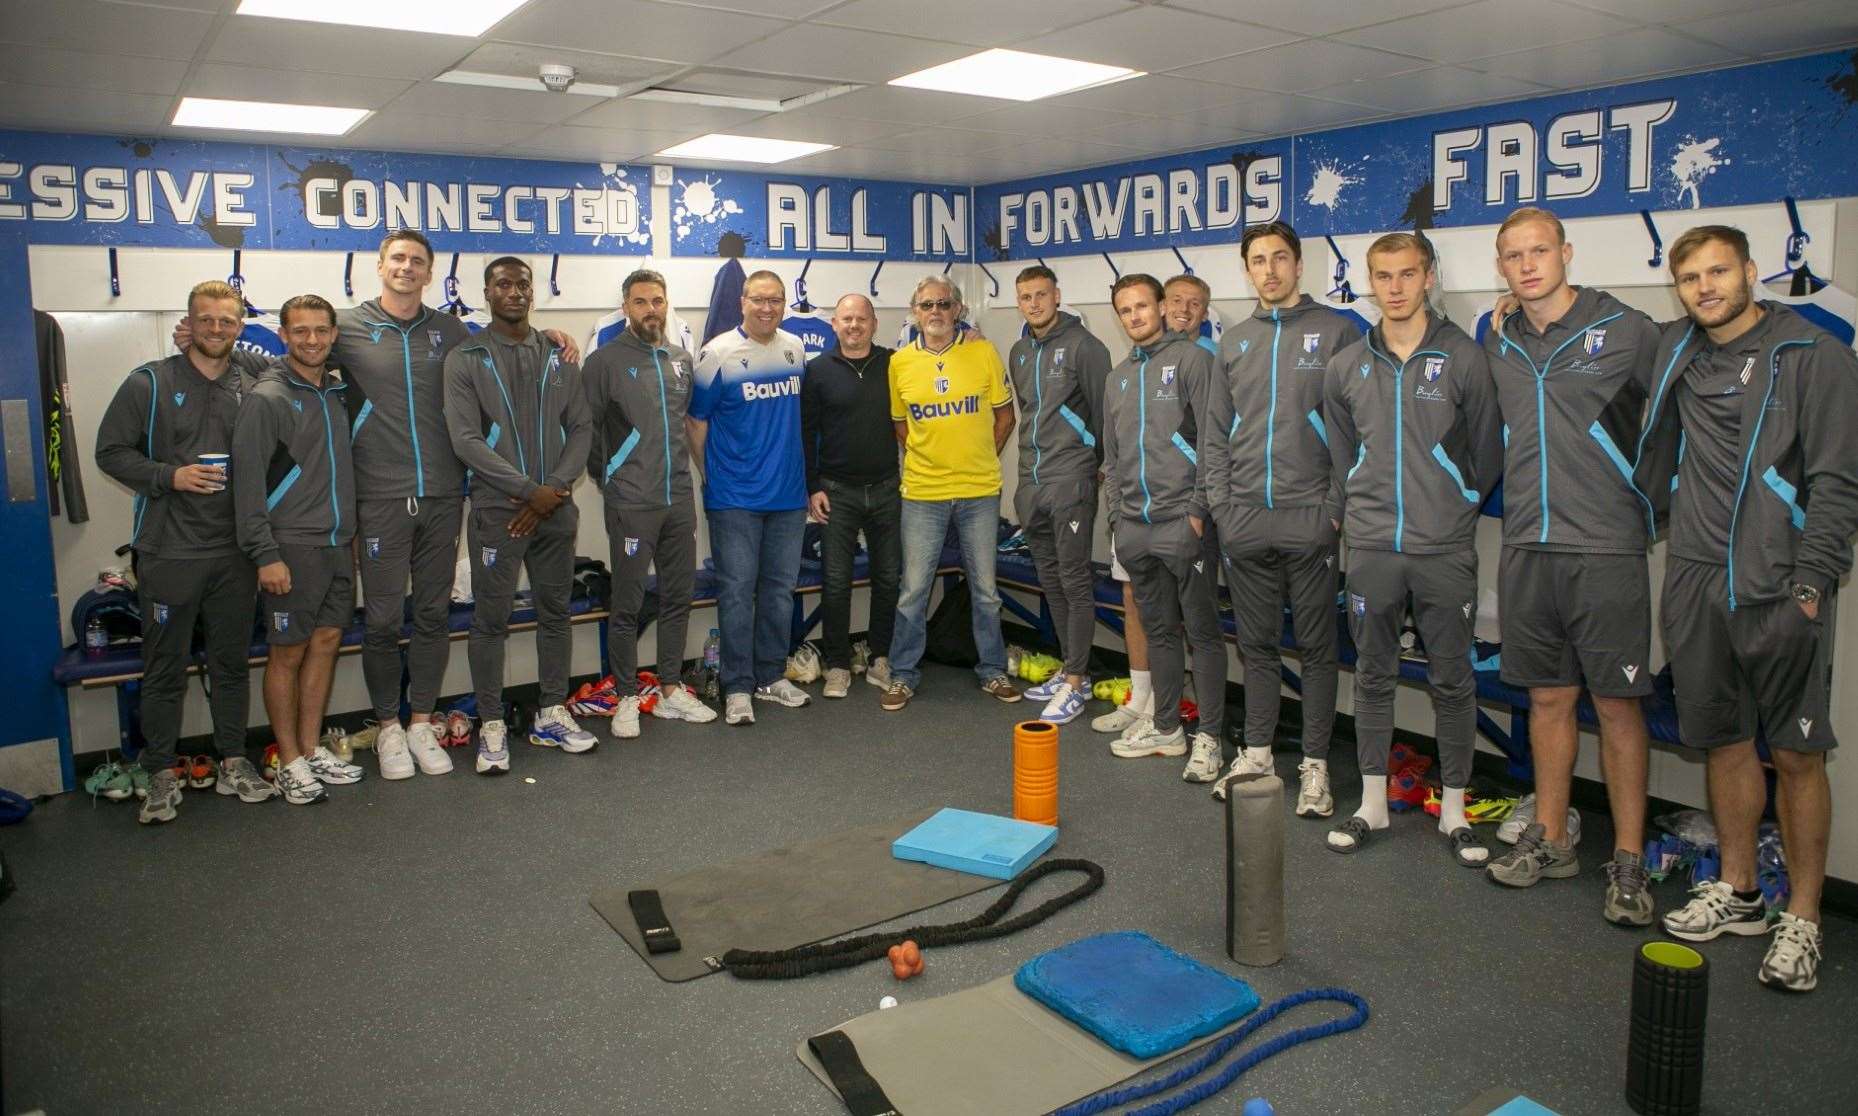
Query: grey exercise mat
{"type": "Point", "coordinates": [788, 897]}
{"type": "Point", "coordinates": [989, 1049]}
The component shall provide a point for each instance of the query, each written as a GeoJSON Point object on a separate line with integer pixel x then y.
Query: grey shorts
{"type": "Point", "coordinates": [1576, 619]}
{"type": "Point", "coordinates": [322, 593]}
{"type": "Point", "coordinates": [1762, 666]}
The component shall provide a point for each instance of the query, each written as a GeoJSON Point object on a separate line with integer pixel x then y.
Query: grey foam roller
{"type": "Point", "coordinates": [1255, 929]}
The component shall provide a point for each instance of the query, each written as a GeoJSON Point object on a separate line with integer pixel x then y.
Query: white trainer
{"type": "Point", "coordinates": [877, 672]}
{"type": "Point", "coordinates": [782, 692]}
{"type": "Point", "coordinates": [422, 739]}
{"type": "Point", "coordinates": [739, 709]}
{"type": "Point", "coordinates": [493, 752]}
{"type": "Point", "coordinates": [679, 704]}
{"type": "Point", "coordinates": [1523, 816]}
{"type": "Point", "coordinates": [1313, 797]}
{"type": "Point", "coordinates": [555, 727]}
{"type": "Point", "coordinates": [626, 717]}
{"type": "Point", "coordinates": [1203, 765]}
{"type": "Point", "coordinates": [1242, 764]}
{"type": "Point", "coordinates": [838, 682]}
{"type": "Point", "coordinates": [390, 746]}
{"type": "Point", "coordinates": [1150, 741]}
{"type": "Point", "coordinates": [1116, 720]}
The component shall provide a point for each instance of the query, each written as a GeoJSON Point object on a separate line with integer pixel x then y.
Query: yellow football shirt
{"type": "Point", "coordinates": [948, 399]}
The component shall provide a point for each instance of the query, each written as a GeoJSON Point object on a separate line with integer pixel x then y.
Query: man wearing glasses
{"type": "Point", "coordinates": [744, 424]}
{"type": "Point", "coordinates": [953, 412]}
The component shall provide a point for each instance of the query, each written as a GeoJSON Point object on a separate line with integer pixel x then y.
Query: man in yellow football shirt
{"type": "Point", "coordinates": [953, 411]}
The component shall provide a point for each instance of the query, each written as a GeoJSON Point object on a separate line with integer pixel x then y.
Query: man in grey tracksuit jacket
{"type": "Point", "coordinates": [518, 420]}
{"type": "Point", "coordinates": [410, 488]}
{"type": "Point", "coordinates": [1747, 449]}
{"type": "Point", "coordinates": [637, 396]}
{"type": "Point", "coordinates": [1414, 443]}
{"type": "Point", "coordinates": [1058, 380]}
{"type": "Point", "coordinates": [1278, 508]}
{"type": "Point", "coordinates": [187, 559]}
{"type": "Point", "coordinates": [1157, 403]}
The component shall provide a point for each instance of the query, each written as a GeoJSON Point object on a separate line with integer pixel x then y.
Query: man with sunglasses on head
{"type": "Point", "coordinates": [953, 413]}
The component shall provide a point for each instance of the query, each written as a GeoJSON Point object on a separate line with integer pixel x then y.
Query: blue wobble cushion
{"type": "Point", "coordinates": [1134, 993]}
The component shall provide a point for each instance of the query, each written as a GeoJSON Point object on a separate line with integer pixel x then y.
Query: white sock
{"type": "Point", "coordinates": [1373, 809]}
{"type": "Point", "coordinates": [1451, 810]}
{"type": "Point", "coordinates": [1258, 757]}
{"type": "Point", "coordinates": [1141, 693]}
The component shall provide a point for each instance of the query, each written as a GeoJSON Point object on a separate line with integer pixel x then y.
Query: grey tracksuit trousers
{"type": "Point", "coordinates": [497, 561]}
{"type": "Point", "coordinates": [401, 537]}
{"type": "Point", "coordinates": [638, 539]}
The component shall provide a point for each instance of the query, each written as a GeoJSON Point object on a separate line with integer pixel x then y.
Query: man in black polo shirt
{"type": "Point", "coordinates": [851, 472]}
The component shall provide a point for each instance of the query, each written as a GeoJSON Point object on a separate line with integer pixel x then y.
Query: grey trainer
{"type": "Point", "coordinates": [1628, 890]}
{"type": "Point", "coordinates": [1534, 858]}
{"type": "Point", "coordinates": [238, 777]}
{"type": "Point", "coordinates": [164, 794]}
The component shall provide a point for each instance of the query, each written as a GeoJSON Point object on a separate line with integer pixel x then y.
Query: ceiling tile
{"type": "Point", "coordinates": [781, 9]}
{"type": "Point", "coordinates": [802, 124]}
{"type": "Point", "coordinates": [1428, 90]}
{"type": "Point", "coordinates": [1468, 32]}
{"type": "Point", "coordinates": [1814, 25]}
{"type": "Point", "coordinates": [1674, 11]}
{"type": "Point", "coordinates": [524, 60]}
{"type": "Point", "coordinates": [903, 106]}
{"type": "Point", "coordinates": [535, 109]}
{"type": "Point", "coordinates": [663, 116]}
{"type": "Point", "coordinates": [66, 109]}
{"type": "Point", "coordinates": [111, 73]}
{"type": "Point", "coordinates": [1153, 94]}
{"type": "Point", "coordinates": [1161, 135]}
{"type": "Point", "coordinates": [603, 145]}
{"type": "Point", "coordinates": [294, 87]}
{"type": "Point", "coordinates": [634, 27]}
{"type": "Point", "coordinates": [1608, 60]}
{"type": "Point", "coordinates": [1316, 17]}
{"type": "Point", "coordinates": [75, 25]}
{"type": "Point", "coordinates": [1155, 39]}
{"type": "Point", "coordinates": [1042, 119]}
{"type": "Point", "coordinates": [1301, 67]}
{"type": "Point", "coordinates": [293, 45]}
{"type": "Point", "coordinates": [977, 22]}
{"type": "Point", "coordinates": [415, 131]}
{"type": "Point", "coordinates": [842, 54]}
{"type": "Point", "coordinates": [1280, 114]}
{"type": "Point", "coordinates": [732, 84]}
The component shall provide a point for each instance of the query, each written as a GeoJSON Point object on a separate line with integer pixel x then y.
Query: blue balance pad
{"type": "Point", "coordinates": [1134, 993]}
{"type": "Point", "coordinates": [979, 844]}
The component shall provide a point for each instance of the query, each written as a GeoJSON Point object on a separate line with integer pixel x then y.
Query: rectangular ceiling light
{"type": "Point", "coordinates": [262, 116]}
{"type": "Point", "coordinates": [438, 17]}
{"type": "Point", "coordinates": [1014, 75]}
{"type": "Point", "coordinates": [527, 84]}
{"type": "Point", "coordinates": [743, 149]}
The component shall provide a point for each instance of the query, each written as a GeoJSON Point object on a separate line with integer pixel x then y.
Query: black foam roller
{"type": "Point", "coordinates": [1664, 1048]}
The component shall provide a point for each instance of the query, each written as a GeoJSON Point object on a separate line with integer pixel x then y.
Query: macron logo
{"type": "Point", "coordinates": [1806, 727]}
{"type": "Point", "coordinates": [753, 391]}
{"type": "Point", "coordinates": [1632, 673]}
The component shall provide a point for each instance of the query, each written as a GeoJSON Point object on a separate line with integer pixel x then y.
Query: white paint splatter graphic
{"type": "Point", "coordinates": [1695, 161]}
{"type": "Point", "coordinates": [613, 180]}
{"type": "Point", "coordinates": [698, 203]}
{"type": "Point", "coordinates": [1326, 188]}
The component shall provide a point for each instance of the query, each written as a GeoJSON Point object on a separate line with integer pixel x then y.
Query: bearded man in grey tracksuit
{"type": "Point", "coordinates": [1058, 370]}
{"type": "Point", "coordinates": [1156, 404]}
{"type": "Point", "coordinates": [518, 421]}
{"type": "Point", "coordinates": [1280, 509]}
{"type": "Point", "coordinates": [1415, 441]}
{"type": "Point", "coordinates": [638, 390]}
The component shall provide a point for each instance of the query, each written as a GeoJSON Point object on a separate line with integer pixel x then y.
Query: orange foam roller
{"type": "Point", "coordinates": [1035, 772]}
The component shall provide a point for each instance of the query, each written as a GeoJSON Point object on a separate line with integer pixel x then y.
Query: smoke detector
{"type": "Point", "coordinates": [556, 77]}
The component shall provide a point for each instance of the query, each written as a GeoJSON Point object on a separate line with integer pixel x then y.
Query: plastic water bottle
{"type": "Point", "coordinates": [96, 639]}
{"type": "Point", "coordinates": [712, 665]}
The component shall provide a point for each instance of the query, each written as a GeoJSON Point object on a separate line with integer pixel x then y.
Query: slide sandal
{"type": "Point", "coordinates": [1354, 831]}
{"type": "Point", "coordinates": [1467, 849]}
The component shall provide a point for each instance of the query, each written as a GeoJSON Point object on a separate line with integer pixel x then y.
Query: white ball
{"type": "Point", "coordinates": [887, 1002]}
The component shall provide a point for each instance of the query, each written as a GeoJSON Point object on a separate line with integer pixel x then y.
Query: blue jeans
{"type": "Point", "coordinates": [925, 528]}
{"type": "Point", "coordinates": [757, 563]}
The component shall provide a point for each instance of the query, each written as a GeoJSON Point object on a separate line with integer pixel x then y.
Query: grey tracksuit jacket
{"type": "Point", "coordinates": [1796, 505]}
{"type": "Point", "coordinates": [293, 479]}
{"type": "Point", "coordinates": [637, 396]}
{"type": "Point", "coordinates": [516, 413]}
{"type": "Point", "coordinates": [163, 416]}
{"type": "Point", "coordinates": [396, 376]}
{"type": "Point", "coordinates": [1416, 443]}
{"type": "Point", "coordinates": [1156, 402]}
{"type": "Point", "coordinates": [1059, 383]}
{"type": "Point", "coordinates": [1270, 441]}
{"type": "Point", "coordinates": [1572, 401]}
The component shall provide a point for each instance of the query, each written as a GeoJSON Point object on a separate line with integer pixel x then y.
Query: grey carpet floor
{"type": "Point", "coordinates": [426, 946]}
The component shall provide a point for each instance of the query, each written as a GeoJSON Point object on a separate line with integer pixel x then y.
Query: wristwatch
{"type": "Point", "coordinates": [1805, 594]}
